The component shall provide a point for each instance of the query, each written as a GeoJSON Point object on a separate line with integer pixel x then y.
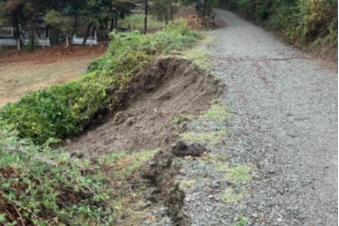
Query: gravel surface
{"type": "Point", "coordinates": [284, 128]}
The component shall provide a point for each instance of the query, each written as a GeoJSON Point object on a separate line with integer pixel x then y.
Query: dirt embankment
{"type": "Point", "coordinates": [169, 89]}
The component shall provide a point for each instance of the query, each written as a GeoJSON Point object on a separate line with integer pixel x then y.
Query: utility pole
{"type": "Point", "coordinates": [146, 12]}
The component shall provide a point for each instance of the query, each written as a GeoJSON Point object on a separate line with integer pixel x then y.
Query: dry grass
{"type": "Point", "coordinates": [17, 79]}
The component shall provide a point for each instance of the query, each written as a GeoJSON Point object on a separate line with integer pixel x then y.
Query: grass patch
{"type": "Point", "coordinates": [177, 119]}
{"type": "Point", "coordinates": [241, 222]}
{"type": "Point", "coordinates": [239, 174]}
{"type": "Point", "coordinates": [218, 112]}
{"type": "Point", "coordinates": [208, 137]}
{"type": "Point", "coordinates": [200, 57]}
{"type": "Point", "coordinates": [230, 195]}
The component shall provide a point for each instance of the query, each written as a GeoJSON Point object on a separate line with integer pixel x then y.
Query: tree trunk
{"type": "Point", "coordinates": [112, 25]}
{"type": "Point", "coordinates": [75, 24]}
{"type": "Point", "coordinates": [116, 21]}
{"type": "Point", "coordinates": [146, 12]}
{"type": "Point", "coordinates": [17, 30]}
{"type": "Point", "coordinates": [87, 33]}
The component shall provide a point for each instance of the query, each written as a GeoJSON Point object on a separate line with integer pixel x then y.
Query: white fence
{"type": "Point", "coordinates": [8, 42]}
{"type": "Point", "coordinates": [6, 32]}
{"type": "Point", "coordinates": [89, 41]}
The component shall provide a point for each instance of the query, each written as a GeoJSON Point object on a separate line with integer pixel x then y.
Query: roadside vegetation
{"type": "Point", "coordinates": [44, 187]}
{"type": "Point", "coordinates": [300, 21]}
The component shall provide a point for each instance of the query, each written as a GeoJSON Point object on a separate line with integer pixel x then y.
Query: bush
{"type": "Point", "coordinates": [67, 109]}
{"type": "Point", "coordinates": [39, 186]}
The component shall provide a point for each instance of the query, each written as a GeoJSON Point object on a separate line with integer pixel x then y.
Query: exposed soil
{"type": "Point", "coordinates": [169, 88]}
{"type": "Point", "coordinates": [51, 54]}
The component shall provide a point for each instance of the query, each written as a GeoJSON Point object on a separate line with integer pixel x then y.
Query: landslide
{"type": "Point", "coordinates": [171, 89]}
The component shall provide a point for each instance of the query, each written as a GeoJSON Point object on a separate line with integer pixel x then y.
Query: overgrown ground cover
{"type": "Point", "coordinates": [44, 187]}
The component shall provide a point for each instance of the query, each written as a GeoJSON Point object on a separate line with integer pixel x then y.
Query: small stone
{"type": "Point", "coordinates": [210, 196]}
{"type": "Point", "coordinates": [254, 215]}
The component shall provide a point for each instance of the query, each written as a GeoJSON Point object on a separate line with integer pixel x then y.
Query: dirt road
{"type": "Point", "coordinates": [285, 125]}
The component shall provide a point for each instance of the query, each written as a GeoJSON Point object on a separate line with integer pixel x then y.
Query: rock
{"type": "Point", "coordinates": [181, 149]}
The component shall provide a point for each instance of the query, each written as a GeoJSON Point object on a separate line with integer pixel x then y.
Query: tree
{"type": "Point", "coordinates": [164, 10]}
{"type": "Point", "coordinates": [58, 22]}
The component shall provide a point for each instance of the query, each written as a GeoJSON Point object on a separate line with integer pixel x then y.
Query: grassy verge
{"type": "Point", "coordinates": [44, 187]}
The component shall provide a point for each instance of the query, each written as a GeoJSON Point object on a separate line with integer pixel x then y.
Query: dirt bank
{"type": "Point", "coordinates": [158, 103]}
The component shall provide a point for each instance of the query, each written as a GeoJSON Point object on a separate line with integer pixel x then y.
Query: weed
{"type": "Point", "coordinates": [230, 195]}
{"type": "Point", "coordinates": [239, 174]}
{"type": "Point", "coordinates": [218, 112]}
{"type": "Point", "coordinates": [40, 186]}
{"type": "Point", "coordinates": [241, 222]}
{"type": "Point", "coordinates": [177, 119]}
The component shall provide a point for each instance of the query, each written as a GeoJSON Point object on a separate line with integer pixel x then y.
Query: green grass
{"type": "Point", "coordinates": [200, 57]}
{"type": "Point", "coordinates": [241, 222]}
{"type": "Point", "coordinates": [239, 174]}
{"type": "Point", "coordinates": [230, 195]}
{"type": "Point", "coordinates": [218, 112]}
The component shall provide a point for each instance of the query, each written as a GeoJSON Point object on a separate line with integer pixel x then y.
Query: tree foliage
{"type": "Point", "coordinates": [163, 10]}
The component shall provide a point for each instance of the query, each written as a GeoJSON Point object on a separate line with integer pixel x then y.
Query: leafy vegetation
{"type": "Point", "coordinates": [67, 109]}
{"type": "Point", "coordinates": [95, 13]}
{"type": "Point", "coordinates": [40, 186]}
{"type": "Point", "coordinates": [44, 187]}
{"type": "Point", "coordinates": [218, 112]}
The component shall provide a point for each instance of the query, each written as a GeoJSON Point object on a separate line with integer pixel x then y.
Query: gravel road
{"type": "Point", "coordinates": [284, 127]}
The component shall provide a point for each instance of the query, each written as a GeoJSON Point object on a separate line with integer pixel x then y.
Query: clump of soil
{"type": "Point", "coordinates": [171, 87]}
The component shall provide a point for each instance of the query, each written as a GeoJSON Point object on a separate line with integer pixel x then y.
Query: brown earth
{"type": "Point", "coordinates": [171, 88]}
{"type": "Point", "coordinates": [51, 54]}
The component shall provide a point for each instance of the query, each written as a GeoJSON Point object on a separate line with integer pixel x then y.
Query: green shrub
{"type": "Point", "coordinates": [40, 186]}
{"type": "Point", "coordinates": [67, 109]}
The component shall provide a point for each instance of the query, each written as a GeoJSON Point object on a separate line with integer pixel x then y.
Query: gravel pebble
{"type": "Point", "coordinates": [284, 127]}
